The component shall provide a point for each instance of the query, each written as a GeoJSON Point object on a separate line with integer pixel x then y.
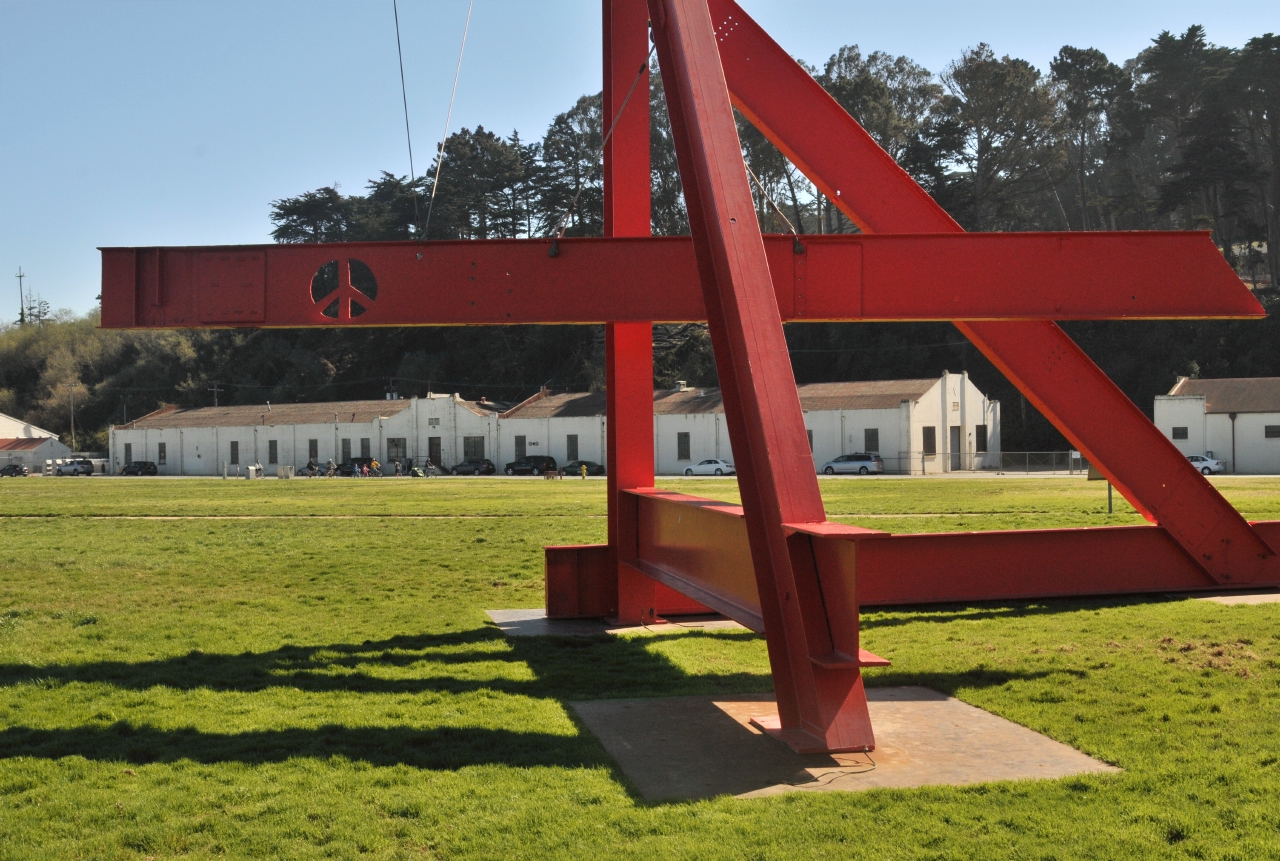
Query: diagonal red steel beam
{"type": "Point", "coordinates": [809, 126]}
{"type": "Point", "coordinates": [924, 277]}
{"type": "Point", "coordinates": [820, 707]}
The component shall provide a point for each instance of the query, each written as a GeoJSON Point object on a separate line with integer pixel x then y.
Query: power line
{"type": "Point", "coordinates": [404, 97]}
{"type": "Point", "coordinates": [448, 117]}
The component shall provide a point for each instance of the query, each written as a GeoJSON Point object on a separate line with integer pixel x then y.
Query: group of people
{"type": "Point", "coordinates": [370, 468]}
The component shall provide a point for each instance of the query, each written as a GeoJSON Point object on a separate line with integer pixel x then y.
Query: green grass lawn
{"type": "Point", "coordinates": [324, 683]}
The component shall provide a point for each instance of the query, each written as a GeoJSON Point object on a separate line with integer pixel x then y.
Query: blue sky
{"type": "Point", "coordinates": [177, 123]}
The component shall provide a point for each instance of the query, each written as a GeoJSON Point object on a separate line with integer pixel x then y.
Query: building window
{"type": "Point", "coordinates": [161, 454]}
{"type": "Point", "coordinates": [346, 450]}
{"type": "Point", "coordinates": [313, 449]}
{"type": "Point", "coordinates": [397, 448]}
{"type": "Point", "coordinates": [809, 433]}
{"type": "Point", "coordinates": [364, 446]}
{"type": "Point", "coordinates": [473, 447]}
{"type": "Point", "coordinates": [128, 452]}
{"type": "Point", "coordinates": [1271, 432]}
{"type": "Point", "coordinates": [871, 440]}
{"type": "Point", "coordinates": [682, 446]}
{"type": "Point", "coordinates": [955, 406]}
{"type": "Point", "coordinates": [433, 423]}
{"type": "Point", "coordinates": [520, 447]}
{"type": "Point", "coordinates": [571, 446]}
{"type": "Point", "coordinates": [273, 451]}
{"type": "Point", "coordinates": [1179, 433]}
{"type": "Point", "coordinates": [930, 440]}
{"type": "Point", "coordinates": [235, 452]}
{"type": "Point", "coordinates": [980, 438]}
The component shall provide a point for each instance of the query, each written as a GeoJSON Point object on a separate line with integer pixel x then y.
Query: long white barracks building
{"type": "Point", "coordinates": [931, 425]}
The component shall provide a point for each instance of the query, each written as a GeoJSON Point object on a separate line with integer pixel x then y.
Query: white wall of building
{"type": "Point", "coordinates": [12, 428]}
{"type": "Point", "coordinates": [203, 450]}
{"type": "Point", "coordinates": [1242, 445]}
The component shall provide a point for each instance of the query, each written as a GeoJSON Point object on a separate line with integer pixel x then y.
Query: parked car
{"type": "Point", "coordinates": [74, 467]}
{"type": "Point", "coordinates": [533, 464]}
{"type": "Point", "coordinates": [574, 467]}
{"type": "Point", "coordinates": [1207, 465]}
{"type": "Point", "coordinates": [712, 467]}
{"type": "Point", "coordinates": [348, 467]}
{"type": "Point", "coordinates": [858, 462]}
{"type": "Point", "coordinates": [14, 470]}
{"type": "Point", "coordinates": [475, 466]}
{"type": "Point", "coordinates": [139, 467]}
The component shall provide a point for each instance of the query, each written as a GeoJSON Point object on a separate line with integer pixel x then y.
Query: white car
{"type": "Point", "coordinates": [859, 463]}
{"type": "Point", "coordinates": [1207, 465]}
{"type": "Point", "coordinates": [712, 467]}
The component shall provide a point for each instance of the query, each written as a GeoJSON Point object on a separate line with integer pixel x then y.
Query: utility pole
{"type": "Point", "coordinates": [22, 299]}
{"type": "Point", "coordinates": [392, 394]}
{"type": "Point", "coordinates": [71, 397]}
{"type": "Point", "coordinates": [215, 388]}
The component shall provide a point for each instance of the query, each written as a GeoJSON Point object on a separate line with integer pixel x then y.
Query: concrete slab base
{"type": "Point", "coordinates": [699, 747]}
{"type": "Point", "coordinates": [534, 623]}
{"type": "Point", "coordinates": [1262, 596]}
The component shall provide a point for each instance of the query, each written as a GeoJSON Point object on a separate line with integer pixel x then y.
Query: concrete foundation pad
{"type": "Point", "coordinates": [534, 623]}
{"type": "Point", "coordinates": [1262, 596]}
{"type": "Point", "coordinates": [699, 747]}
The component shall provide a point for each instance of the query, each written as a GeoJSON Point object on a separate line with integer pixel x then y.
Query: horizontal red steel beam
{"type": "Point", "coordinates": [699, 547]}
{"type": "Point", "coordinates": [991, 276]}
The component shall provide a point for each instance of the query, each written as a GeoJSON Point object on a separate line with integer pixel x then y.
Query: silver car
{"type": "Point", "coordinates": [714, 466]}
{"type": "Point", "coordinates": [1207, 465]}
{"type": "Point", "coordinates": [859, 463]}
{"type": "Point", "coordinates": [75, 467]}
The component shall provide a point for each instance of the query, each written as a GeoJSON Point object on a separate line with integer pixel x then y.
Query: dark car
{"type": "Point", "coordinates": [475, 466]}
{"type": "Point", "coordinates": [348, 467]}
{"type": "Point", "coordinates": [533, 464]}
{"type": "Point", "coordinates": [139, 467]}
{"type": "Point", "coordinates": [13, 470]}
{"type": "Point", "coordinates": [574, 467]}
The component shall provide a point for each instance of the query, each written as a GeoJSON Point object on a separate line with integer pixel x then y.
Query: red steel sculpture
{"type": "Point", "coordinates": [775, 563]}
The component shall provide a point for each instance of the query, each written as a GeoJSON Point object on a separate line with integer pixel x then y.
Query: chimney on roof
{"type": "Point", "coordinates": [484, 400]}
{"type": "Point", "coordinates": [682, 385]}
{"type": "Point", "coordinates": [268, 406]}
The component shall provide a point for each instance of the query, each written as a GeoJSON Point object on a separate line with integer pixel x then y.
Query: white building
{"type": "Point", "coordinates": [24, 443]}
{"type": "Point", "coordinates": [932, 425]}
{"type": "Point", "coordinates": [199, 441]}
{"type": "Point", "coordinates": [1236, 421]}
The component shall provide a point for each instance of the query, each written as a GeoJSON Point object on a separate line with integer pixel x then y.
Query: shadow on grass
{"type": "Point", "coordinates": [893, 617]}
{"type": "Point", "coordinates": [445, 748]}
{"type": "Point", "coordinates": [562, 668]}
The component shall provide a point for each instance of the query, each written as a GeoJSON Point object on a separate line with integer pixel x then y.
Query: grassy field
{"type": "Point", "coordinates": [304, 670]}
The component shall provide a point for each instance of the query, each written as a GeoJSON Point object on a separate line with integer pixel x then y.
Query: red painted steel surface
{"type": "Point", "coordinates": [820, 707]}
{"type": "Point", "coordinates": [794, 112]}
{"type": "Point", "coordinates": [700, 547]}
{"type": "Point", "coordinates": [628, 345]}
{"type": "Point", "coordinates": [927, 277]}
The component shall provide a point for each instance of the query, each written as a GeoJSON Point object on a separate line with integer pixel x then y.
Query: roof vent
{"type": "Point", "coordinates": [682, 386]}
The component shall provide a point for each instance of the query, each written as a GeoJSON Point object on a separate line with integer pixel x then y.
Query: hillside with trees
{"type": "Point", "coordinates": [1185, 136]}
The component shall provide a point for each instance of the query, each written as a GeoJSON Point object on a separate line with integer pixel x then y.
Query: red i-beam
{"type": "Point", "coordinates": [775, 563]}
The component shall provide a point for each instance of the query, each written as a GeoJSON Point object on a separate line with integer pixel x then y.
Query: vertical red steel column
{"type": "Point", "coordinates": [628, 346]}
{"type": "Point", "coordinates": [820, 708]}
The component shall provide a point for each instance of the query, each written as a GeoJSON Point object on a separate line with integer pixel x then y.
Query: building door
{"type": "Point", "coordinates": [433, 450]}
{"type": "Point", "coordinates": [128, 453]}
{"type": "Point", "coordinates": [520, 443]}
{"type": "Point", "coordinates": [956, 453]}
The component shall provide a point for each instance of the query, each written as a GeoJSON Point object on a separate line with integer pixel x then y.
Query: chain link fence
{"type": "Point", "coordinates": [1001, 463]}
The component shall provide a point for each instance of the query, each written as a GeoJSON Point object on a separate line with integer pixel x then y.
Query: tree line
{"type": "Point", "coordinates": [1183, 136]}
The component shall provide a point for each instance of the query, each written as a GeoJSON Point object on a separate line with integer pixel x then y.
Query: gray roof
{"type": "Point", "coordinates": [243, 415]}
{"type": "Point", "coordinates": [869, 395]}
{"type": "Point", "coordinates": [1234, 395]}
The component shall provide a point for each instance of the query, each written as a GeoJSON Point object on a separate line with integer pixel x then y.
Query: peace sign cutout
{"type": "Point", "coordinates": [353, 283]}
